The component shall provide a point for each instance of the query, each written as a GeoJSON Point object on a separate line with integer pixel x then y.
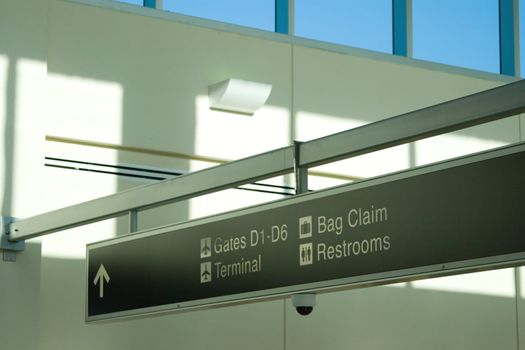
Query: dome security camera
{"type": "Point", "coordinates": [304, 303]}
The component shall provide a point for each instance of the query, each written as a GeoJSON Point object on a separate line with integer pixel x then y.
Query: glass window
{"type": "Point", "coordinates": [253, 13]}
{"type": "Point", "coordinates": [522, 37]}
{"type": "Point", "coordinates": [457, 32]}
{"type": "Point", "coordinates": [365, 24]}
{"type": "Point", "coordinates": [133, 2]}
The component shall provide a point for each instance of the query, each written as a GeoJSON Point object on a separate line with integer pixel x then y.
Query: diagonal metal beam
{"type": "Point", "coordinates": [479, 108]}
{"type": "Point", "coordinates": [467, 111]}
{"type": "Point", "coordinates": [247, 170]}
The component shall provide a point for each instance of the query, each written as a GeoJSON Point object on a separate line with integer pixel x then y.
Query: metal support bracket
{"type": "Point", "coordinates": [301, 171]}
{"type": "Point", "coordinates": [133, 221]}
{"type": "Point", "coordinates": [5, 242]}
{"type": "Point", "coordinates": [8, 247]}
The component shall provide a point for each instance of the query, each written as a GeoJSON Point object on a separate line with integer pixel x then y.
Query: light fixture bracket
{"type": "Point", "coordinates": [239, 96]}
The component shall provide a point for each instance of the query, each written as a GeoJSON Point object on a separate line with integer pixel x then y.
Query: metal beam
{"type": "Point", "coordinates": [467, 111]}
{"type": "Point", "coordinates": [485, 106]}
{"type": "Point", "coordinates": [198, 183]}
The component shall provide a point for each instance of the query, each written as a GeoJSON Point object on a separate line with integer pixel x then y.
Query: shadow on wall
{"type": "Point", "coordinates": [20, 299]}
{"type": "Point", "coordinates": [9, 134]}
{"type": "Point", "coordinates": [64, 289]}
{"type": "Point", "coordinates": [21, 31]}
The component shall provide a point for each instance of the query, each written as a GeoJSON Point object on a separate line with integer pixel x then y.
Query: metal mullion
{"type": "Point", "coordinates": [508, 37]}
{"type": "Point", "coordinates": [402, 27]}
{"type": "Point", "coordinates": [150, 3]}
{"type": "Point", "coordinates": [284, 14]}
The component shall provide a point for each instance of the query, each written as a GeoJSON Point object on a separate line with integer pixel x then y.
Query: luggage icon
{"type": "Point", "coordinates": [305, 227]}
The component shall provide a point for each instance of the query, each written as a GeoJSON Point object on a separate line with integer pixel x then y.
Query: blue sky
{"type": "Point", "coordinates": [366, 24]}
{"type": "Point", "coordinates": [252, 13]}
{"type": "Point", "coordinates": [463, 33]}
{"type": "Point", "coordinates": [456, 32]}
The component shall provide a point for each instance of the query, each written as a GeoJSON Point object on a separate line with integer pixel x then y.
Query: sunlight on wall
{"type": "Point", "coordinates": [311, 126]}
{"type": "Point", "coordinates": [227, 200]}
{"type": "Point", "coordinates": [316, 183]}
{"type": "Point", "coordinates": [372, 164]}
{"type": "Point", "coordinates": [438, 148]}
{"type": "Point", "coordinates": [314, 125]}
{"type": "Point", "coordinates": [71, 244]}
{"type": "Point", "coordinates": [496, 283]}
{"type": "Point", "coordinates": [28, 137]}
{"type": "Point", "coordinates": [84, 108]}
{"type": "Point", "coordinates": [398, 285]}
{"type": "Point", "coordinates": [447, 146]}
{"type": "Point", "coordinates": [64, 187]}
{"type": "Point", "coordinates": [234, 136]}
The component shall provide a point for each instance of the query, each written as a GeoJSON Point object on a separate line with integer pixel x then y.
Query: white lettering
{"type": "Point", "coordinates": [363, 217]}
{"type": "Point", "coordinates": [353, 248]}
{"type": "Point", "coordinates": [242, 267]}
{"type": "Point", "coordinates": [330, 225]}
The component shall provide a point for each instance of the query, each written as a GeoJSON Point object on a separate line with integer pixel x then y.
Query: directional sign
{"type": "Point", "coordinates": [457, 216]}
{"type": "Point", "coordinates": [101, 277]}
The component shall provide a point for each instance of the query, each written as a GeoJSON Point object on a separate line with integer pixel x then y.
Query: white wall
{"type": "Point", "coordinates": [115, 78]}
{"type": "Point", "coordinates": [22, 76]}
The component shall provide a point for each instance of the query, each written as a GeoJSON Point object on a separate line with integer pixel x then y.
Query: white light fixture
{"type": "Point", "coordinates": [239, 96]}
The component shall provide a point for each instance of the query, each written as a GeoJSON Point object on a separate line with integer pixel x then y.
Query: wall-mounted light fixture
{"type": "Point", "coordinates": [239, 96]}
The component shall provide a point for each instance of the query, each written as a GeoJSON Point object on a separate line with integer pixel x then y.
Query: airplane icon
{"type": "Point", "coordinates": [205, 272]}
{"type": "Point", "coordinates": [205, 247]}
{"type": "Point", "coordinates": [206, 250]}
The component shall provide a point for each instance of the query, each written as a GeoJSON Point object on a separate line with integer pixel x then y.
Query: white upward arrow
{"type": "Point", "coordinates": [102, 275]}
